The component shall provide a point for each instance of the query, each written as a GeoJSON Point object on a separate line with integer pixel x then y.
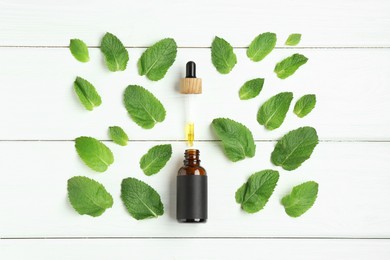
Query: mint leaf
{"type": "Point", "coordinates": [236, 138]}
{"type": "Point", "coordinates": [157, 59]}
{"type": "Point", "coordinates": [118, 135]}
{"type": "Point", "coordinates": [289, 65]}
{"type": "Point", "coordinates": [251, 89]}
{"type": "Point", "coordinates": [88, 197]}
{"type": "Point", "coordinates": [141, 200]}
{"type": "Point", "coordinates": [305, 105]}
{"type": "Point", "coordinates": [94, 153]}
{"type": "Point", "coordinates": [222, 55]}
{"type": "Point", "coordinates": [87, 93]}
{"type": "Point", "coordinates": [273, 112]}
{"type": "Point", "coordinates": [240, 193]}
{"type": "Point", "coordinates": [155, 159]}
{"type": "Point", "coordinates": [293, 39]}
{"type": "Point", "coordinates": [254, 194]}
{"type": "Point", "coordinates": [79, 50]}
{"type": "Point", "coordinates": [115, 54]}
{"type": "Point", "coordinates": [301, 199]}
{"type": "Point", "coordinates": [261, 46]}
{"type": "Point", "coordinates": [294, 148]}
{"type": "Point", "coordinates": [143, 107]}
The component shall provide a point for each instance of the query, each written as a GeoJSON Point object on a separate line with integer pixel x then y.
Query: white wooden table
{"type": "Point", "coordinates": [348, 46]}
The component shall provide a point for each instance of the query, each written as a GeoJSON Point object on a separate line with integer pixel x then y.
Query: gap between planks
{"type": "Point", "coordinates": [201, 141]}
{"type": "Point", "coordinates": [194, 238]}
{"type": "Point", "coordinates": [199, 47]}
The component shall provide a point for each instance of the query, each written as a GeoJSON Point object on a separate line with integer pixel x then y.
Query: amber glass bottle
{"type": "Point", "coordinates": [191, 190]}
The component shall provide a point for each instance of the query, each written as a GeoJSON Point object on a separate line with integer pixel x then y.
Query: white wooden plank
{"type": "Point", "coordinates": [38, 102]}
{"type": "Point", "coordinates": [353, 197]}
{"type": "Point", "coordinates": [322, 23]}
{"type": "Point", "coordinates": [196, 249]}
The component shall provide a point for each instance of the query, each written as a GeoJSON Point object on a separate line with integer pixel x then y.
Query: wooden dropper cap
{"type": "Point", "coordinates": [191, 84]}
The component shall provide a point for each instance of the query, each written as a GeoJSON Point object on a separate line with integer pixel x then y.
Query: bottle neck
{"type": "Point", "coordinates": [191, 157]}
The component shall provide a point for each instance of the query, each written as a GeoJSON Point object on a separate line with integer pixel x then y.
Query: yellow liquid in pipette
{"type": "Point", "coordinates": [189, 129]}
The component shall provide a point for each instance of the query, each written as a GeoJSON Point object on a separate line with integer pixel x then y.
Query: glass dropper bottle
{"type": "Point", "coordinates": [191, 189]}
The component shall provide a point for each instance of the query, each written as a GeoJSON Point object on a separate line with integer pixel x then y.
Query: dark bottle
{"type": "Point", "coordinates": [191, 190]}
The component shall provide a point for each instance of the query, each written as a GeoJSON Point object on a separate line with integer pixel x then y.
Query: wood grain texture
{"type": "Point", "coordinates": [211, 249]}
{"type": "Point", "coordinates": [352, 88]}
{"type": "Point", "coordinates": [322, 23]}
{"type": "Point", "coordinates": [190, 86]}
{"type": "Point", "coordinates": [353, 196]}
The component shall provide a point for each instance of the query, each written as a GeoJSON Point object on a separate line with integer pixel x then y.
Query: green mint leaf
{"type": "Point", "coordinates": [305, 105]}
{"type": "Point", "coordinates": [293, 39]}
{"type": "Point", "coordinates": [251, 89]}
{"type": "Point", "coordinates": [94, 153]}
{"type": "Point", "coordinates": [294, 148]}
{"type": "Point", "coordinates": [289, 65]}
{"type": "Point", "coordinates": [155, 159]}
{"type": "Point", "coordinates": [254, 194]}
{"type": "Point", "coordinates": [87, 93]}
{"type": "Point", "coordinates": [141, 200]}
{"type": "Point", "coordinates": [143, 107]}
{"type": "Point", "coordinates": [118, 135]}
{"type": "Point", "coordinates": [237, 139]}
{"type": "Point", "coordinates": [157, 59]}
{"type": "Point", "coordinates": [79, 50]}
{"type": "Point", "coordinates": [301, 199]}
{"type": "Point", "coordinates": [222, 55]}
{"type": "Point", "coordinates": [261, 46]}
{"type": "Point", "coordinates": [115, 54]}
{"type": "Point", "coordinates": [88, 196]}
{"type": "Point", "coordinates": [273, 112]}
{"type": "Point", "coordinates": [240, 193]}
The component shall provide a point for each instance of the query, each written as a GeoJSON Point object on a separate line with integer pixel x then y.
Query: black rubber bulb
{"type": "Point", "coordinates": [191, 69]}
